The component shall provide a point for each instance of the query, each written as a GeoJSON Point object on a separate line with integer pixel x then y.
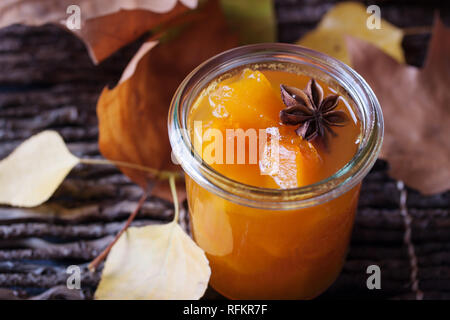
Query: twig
{"type": "Point", "coordinates": [408, 241]}
{"type": "Point", "coordinates": [95, 263]}
{"type": "Point", "coordinates": [173, 190]}
{"type": "Point", "coordinates": [158, 174]}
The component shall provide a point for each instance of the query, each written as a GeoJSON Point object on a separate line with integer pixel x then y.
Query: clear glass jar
{"type": "Point", "coordinates": [273, 243]}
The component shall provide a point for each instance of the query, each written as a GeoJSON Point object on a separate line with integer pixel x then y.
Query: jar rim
{"type": "Point", "coordinates": [265, 198]}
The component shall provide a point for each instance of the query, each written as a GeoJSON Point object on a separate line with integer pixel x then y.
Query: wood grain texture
{"type": "Point", "coordinates": [48, 82]}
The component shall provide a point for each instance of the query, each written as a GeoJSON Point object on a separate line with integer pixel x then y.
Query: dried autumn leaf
{"type": "Point", "coordinates": [350, 18]}
{"type": "Point", "coordinates": [133, 115]}
{"type": "Point", "coordinates": [34, 170]}
{"type": "Point", "coordinates": [106, 25]}
{"type": "Point", "coordinates": [154, 262]}
{"type": "Point", "coordinates": [416, 108]}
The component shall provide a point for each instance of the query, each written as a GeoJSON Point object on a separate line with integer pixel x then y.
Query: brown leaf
{"type": "Point", "coordinates": [105, 35]}
{"type": "Point", "coordinates": [106, 25]}
{"type": "Point", "coordinates": [133, 115]}
{"type": "Point", "coordinates": [416, 108]}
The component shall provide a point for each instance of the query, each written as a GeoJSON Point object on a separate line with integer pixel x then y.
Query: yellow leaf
{"type": "Point", "coordinates": [350, 18]}
{"type": "Point", "coordinates": [154, 262]}
{"type": "Point", "coordinates": [33, 171]}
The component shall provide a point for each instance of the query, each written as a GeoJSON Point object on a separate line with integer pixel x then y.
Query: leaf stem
{"type": "Point", "coordinates": [162, 175]}
{"type": "Point", "coordinates": [173, 190]}
{"type": "Point", "coordinates": [96, 262]}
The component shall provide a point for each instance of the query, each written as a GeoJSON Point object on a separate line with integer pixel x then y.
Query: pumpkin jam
{"type": "Point", "coordinates": [260, 253]}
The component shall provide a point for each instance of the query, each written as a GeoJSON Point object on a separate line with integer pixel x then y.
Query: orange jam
{"type": "Point", "coordinates": [260, 253]}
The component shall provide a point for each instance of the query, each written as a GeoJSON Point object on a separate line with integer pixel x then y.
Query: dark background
{"type": "Point", "coordinates": [47, 81]}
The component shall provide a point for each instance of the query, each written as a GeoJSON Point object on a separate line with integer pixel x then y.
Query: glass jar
{"type": "Point", "coordinates": [274, 243]}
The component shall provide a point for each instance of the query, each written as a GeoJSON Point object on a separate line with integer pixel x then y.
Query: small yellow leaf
{"type": "Point", "coordinates": [154, 262]}
{"type": "Point", "coordinates": [34, 170]}
{"type": "Point", "coordinates": [350, 18]}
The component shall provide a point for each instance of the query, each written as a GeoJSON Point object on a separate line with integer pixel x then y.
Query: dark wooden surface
{"type": "Point", "coordinates": [48, 82]}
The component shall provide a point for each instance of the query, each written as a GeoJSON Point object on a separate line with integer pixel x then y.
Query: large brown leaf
{"type": "Point", "coordinates": [106, 25]}
{"type": "Point", "coordinates": [133, 115]}
{"type": "Point", "coordinates": [416, 108]}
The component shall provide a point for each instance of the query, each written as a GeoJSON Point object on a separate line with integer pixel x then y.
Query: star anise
{"type": "Point", "coordinates": [314, 114]}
